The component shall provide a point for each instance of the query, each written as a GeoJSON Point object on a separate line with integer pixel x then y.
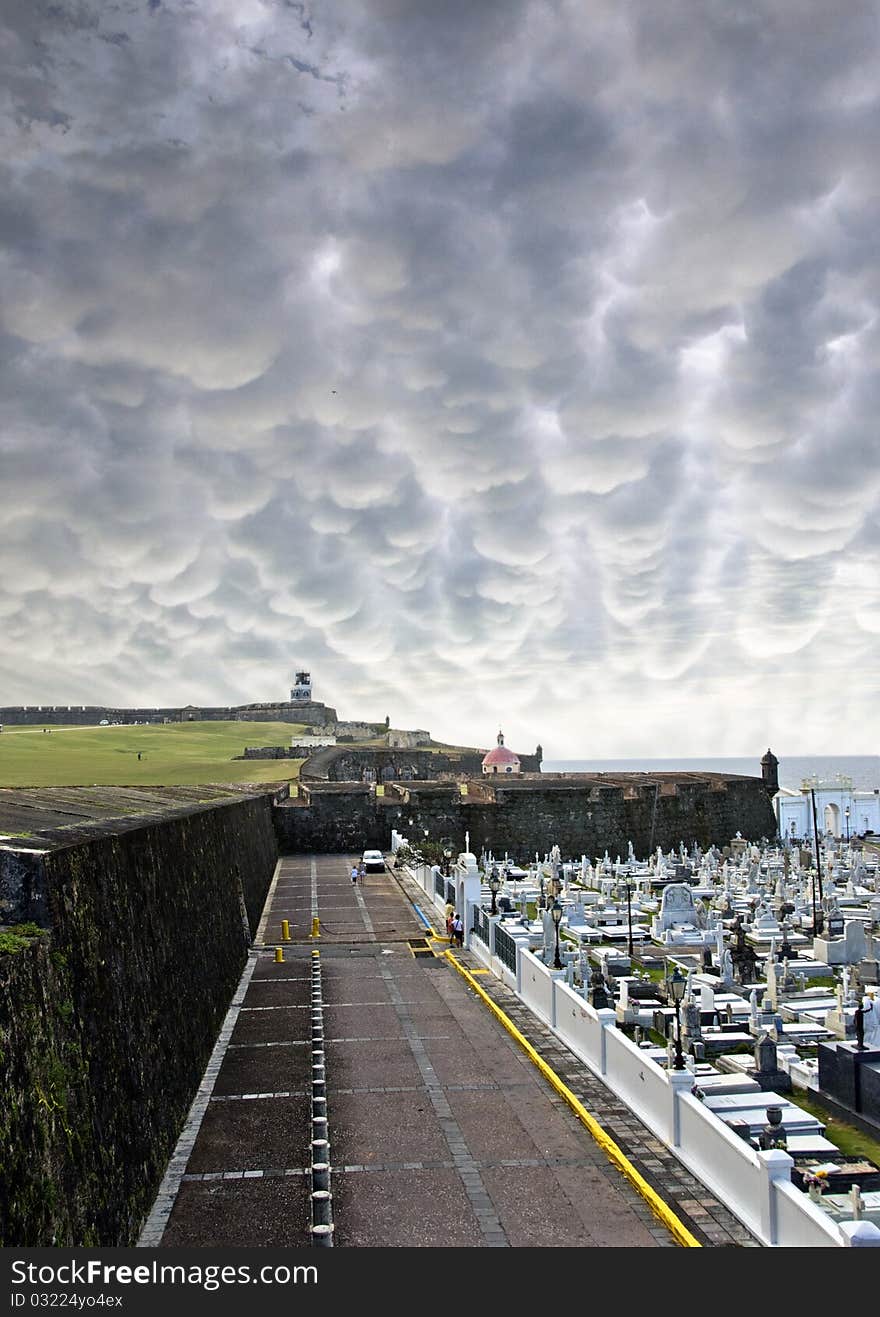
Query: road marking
{"type": "Point", "coordinates": [661, 1210]}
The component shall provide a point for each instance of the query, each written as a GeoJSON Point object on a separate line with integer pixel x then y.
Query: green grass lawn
{"type": "Point", "coordinates": [172, 754]}
{"type": "Point", "coordinates": [851, 1141]}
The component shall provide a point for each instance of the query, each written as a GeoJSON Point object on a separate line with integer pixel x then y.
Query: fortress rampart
{"type": "Point", "coordinates": [108, 1019]}
{"type": "Point", "coordinates": [90, 715]}
{"type": "Point", "coordinates": [582, 813]}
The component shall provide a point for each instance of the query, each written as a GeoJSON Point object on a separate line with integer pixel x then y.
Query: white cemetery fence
{"type": "Point", "coordinates": [756, 1186]}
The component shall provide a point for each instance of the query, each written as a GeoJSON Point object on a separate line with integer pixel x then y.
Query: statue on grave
{"type": "Point", "coordinates": [598, 991]}
{"type": "Point", "coordinates": [870, 1007]}
{"type": "Point", "coordinates": [726, 967]}
{"type": "Point", "coordinates": [831, 907]}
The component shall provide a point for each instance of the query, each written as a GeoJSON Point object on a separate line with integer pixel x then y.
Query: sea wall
{"type": "Point", "coordinates": [107, 1021]}
{"type": "Point", "coordinates": [579, 813]}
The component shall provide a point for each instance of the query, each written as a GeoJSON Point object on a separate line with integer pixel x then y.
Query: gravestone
{"type": "Point", "coordinates": [767, 1072]}
{"type": "Point", "coordinates": [676, 907]}
{"type": "Point", "coordinates": [855, 941]}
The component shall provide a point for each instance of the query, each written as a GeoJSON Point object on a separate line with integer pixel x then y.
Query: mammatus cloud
{"type": "Point", "coordinates": [506, 363]}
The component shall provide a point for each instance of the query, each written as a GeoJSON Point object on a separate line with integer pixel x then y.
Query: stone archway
{"type": "Point", "coordinates": [832, 819]}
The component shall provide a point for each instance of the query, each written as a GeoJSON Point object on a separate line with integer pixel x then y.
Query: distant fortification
{"type": "Point", "coordinates": [300, 708]}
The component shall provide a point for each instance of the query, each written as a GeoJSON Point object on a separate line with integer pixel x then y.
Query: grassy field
{"type": "Point", "coordinates": [172, 754]}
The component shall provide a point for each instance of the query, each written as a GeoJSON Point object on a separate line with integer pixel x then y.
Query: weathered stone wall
{"type": "Point", "coordinates": [83, 715]}
{"type": "Point", "coordinates": [398, 764]}
{"type": "Point", "coordinates": [359, 731]}
{"type": "Point", "coordinates": [581, 816]}
{"type": "Point", "coordinates": [270, 752]}
{"type": "Point", "coordinates": [106, 1024]}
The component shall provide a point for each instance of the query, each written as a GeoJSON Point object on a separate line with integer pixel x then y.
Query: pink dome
{"type": "Point", "coordinates": [500, 756]}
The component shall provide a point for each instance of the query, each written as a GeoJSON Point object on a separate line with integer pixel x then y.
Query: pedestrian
{"type": "Point", "coordinates": [362, 871]}
{"type": "Point", "coordinates": [450, 911]}
{"type": "Point", "coordinates": [457, 930]}
{"type": "Point", "coordinates": [354, 874]}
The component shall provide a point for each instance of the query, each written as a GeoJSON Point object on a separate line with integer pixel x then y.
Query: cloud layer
{"type": "Point", "coordinates": [504, 363]}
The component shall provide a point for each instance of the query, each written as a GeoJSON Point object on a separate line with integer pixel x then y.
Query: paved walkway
{"type": "Point", "coordinates": [442, 1132]}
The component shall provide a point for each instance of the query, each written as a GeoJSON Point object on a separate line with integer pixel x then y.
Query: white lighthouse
{"type": "Point", "coordinates": [301, 692]}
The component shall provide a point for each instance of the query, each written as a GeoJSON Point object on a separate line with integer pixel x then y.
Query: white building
{"type": "Point", "coordinates": [840, 810]}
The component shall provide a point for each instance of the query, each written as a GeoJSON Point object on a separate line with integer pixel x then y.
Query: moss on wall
{"type": "Point", "coordinates": [107, 1022]}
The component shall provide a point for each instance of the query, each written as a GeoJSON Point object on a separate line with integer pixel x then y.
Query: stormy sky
{"type": "Point", "coordinates": [506, 363]}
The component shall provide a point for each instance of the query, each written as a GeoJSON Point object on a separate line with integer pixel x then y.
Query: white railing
{"type": "Point", "coordinates": [756, 1186]}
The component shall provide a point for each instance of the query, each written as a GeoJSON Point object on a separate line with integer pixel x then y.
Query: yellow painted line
{"type": "Point", "coordinates": [480, 971]}
{"type": "Point", "coordinates": [661, 1210]}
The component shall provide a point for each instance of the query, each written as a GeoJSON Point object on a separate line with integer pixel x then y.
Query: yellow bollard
{"type": "Point", "coordinates": [316, 926]}
{"type": "Point", "coordinates": [285, 930]}
{"type": "Point", "coordinates": [279, 955]}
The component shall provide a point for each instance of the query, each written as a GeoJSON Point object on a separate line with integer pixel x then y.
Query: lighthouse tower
{"type": "Point", "coordinates": [301, 691]}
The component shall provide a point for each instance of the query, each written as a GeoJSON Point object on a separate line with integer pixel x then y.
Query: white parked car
{"type": "Point", "coordinates": [374, 862]}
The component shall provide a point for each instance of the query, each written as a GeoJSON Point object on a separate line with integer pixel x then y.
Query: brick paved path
{"type": "Point", "coordinates": [442, 1132]}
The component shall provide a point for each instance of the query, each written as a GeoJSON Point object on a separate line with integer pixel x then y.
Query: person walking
{"type": "Point", "coordinates": [457, 930]}
{"type": "Point", "coordinates": [354, 875]}
{"type": "Point", "coordinates": [362, 872]}
{"type": "Point", "coordinates": [449, 912]}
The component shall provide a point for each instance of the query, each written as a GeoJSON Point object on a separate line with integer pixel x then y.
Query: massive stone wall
{"type": "Point", "coordinates": [107, 1021]}
{"type": "Point", "coordinates": [582, 814]}
{"type": "Point", "coordinates": [90, 715]}
{"type": "Point", "coordinates": [398, 764]}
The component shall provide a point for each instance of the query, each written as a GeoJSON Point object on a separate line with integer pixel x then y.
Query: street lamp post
{"type": "Point", "coordinates": [556, 915]}
{"type": "Point", "coordinates": [629, 922]}
{"type": "Point", "coordinates": [846, 815]}
{"type": "Point", "coordinates": [494, 888]}
{"type": "Point", "coordinates": [677, 985]}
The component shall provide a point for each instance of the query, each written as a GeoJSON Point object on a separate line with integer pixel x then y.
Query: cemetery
{"type": "Point", "coordinates": [708, 989]}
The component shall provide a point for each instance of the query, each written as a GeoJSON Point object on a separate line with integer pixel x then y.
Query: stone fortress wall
{"type": "Point", "coordinates": [90, 715]}
{"type": "Point", "coordinates": [582, 813]}
{"type": "Point", "coordinates": [107, 1019]}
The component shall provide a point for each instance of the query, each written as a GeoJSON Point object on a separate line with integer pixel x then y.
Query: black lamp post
{"type": "Point", "coordinates": [677, 985]}
{"type": "Point", "coordinates": [494, 888]}
{"type": "Point", "coordinates": [846, 816]}
{"type": "Point", "coordinates": [629, 922]}
{"type": "Point", "coordinates": [556, 915]}
{"type": "Point", "coordinates": [543, 902]}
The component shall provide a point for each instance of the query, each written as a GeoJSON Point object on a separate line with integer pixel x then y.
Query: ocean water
{"type": "Point", "coordinates": [863, 769]}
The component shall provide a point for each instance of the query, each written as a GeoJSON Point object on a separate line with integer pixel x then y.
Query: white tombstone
{"type": "Point", "coordinates": [855, 942]}
{"type": "Point", "coordinates": [549, 936]}
{"type": "Point", "coordinates": [676, 907]}
{"type": "Point", "coordinates": [772, 985]}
